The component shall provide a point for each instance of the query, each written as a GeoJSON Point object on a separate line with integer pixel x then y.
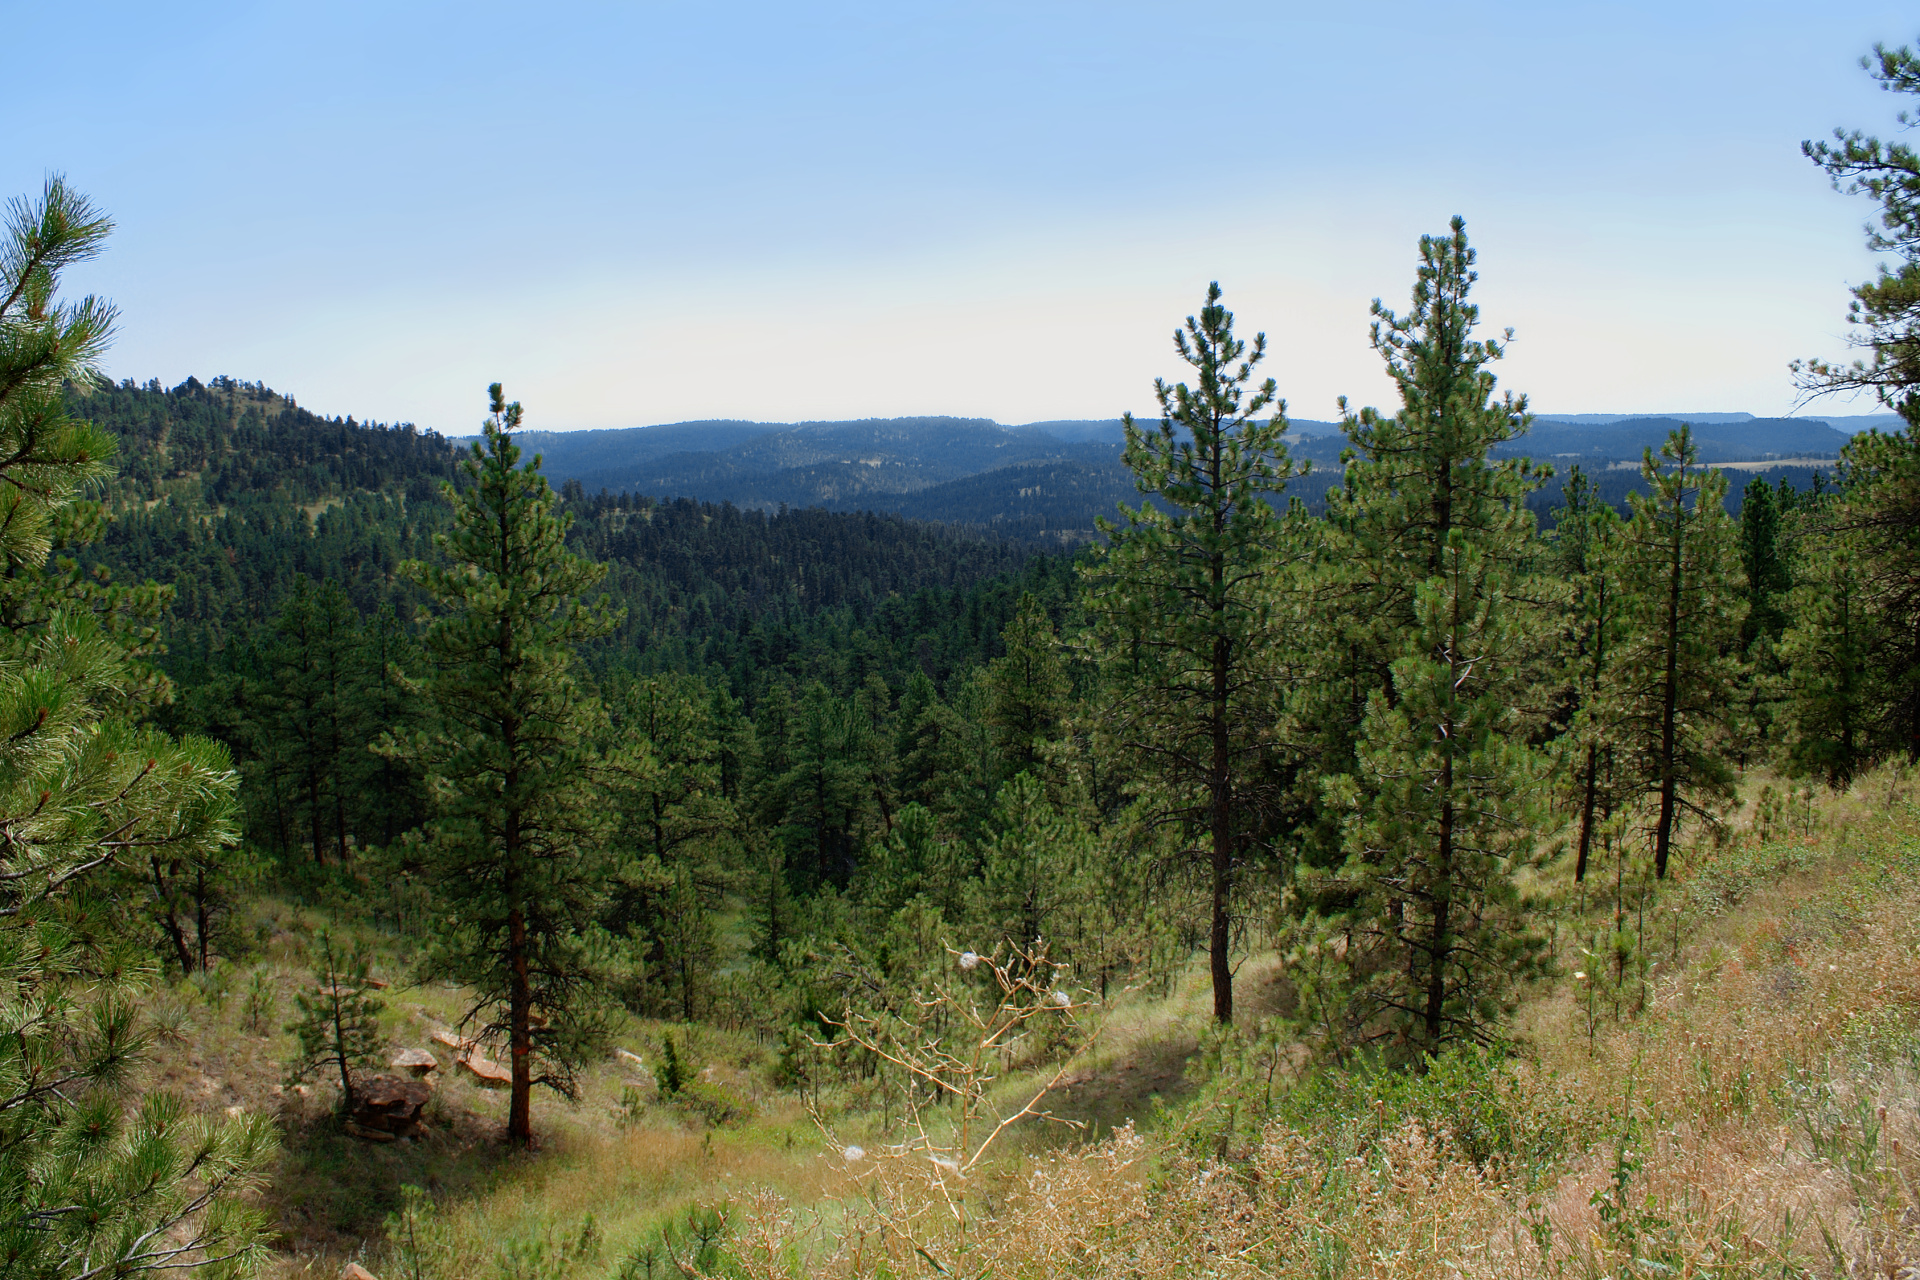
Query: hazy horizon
{"type": "Point", "coordinates": [656, 213]}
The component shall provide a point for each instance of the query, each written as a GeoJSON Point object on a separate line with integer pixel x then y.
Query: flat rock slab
{"type": "Point", "coordinates": [415, 1062]}
{"type": "Point", "coordinates": [486, 1073]}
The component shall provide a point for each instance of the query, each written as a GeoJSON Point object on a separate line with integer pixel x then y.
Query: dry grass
{"type": "Point", "coordinates": [1761, 1116]}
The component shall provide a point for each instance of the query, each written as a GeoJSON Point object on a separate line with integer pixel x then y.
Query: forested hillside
{"type": "Point", "coordinates": [1337, 850]}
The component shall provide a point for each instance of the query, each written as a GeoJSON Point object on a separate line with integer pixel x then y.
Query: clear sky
{"type": "Point", "coordinates": [635, 213]}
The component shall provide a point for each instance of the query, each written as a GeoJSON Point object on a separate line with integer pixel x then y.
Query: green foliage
{"type": "Point", "coordinates": [1886, 308]}
{"type": "Point", "coordinates": [1027, 690]}
{"type": "Point", "coordinates": [692, 1243]}
{"type": "Point", "coordinates": [1675, 679]}
{"type": "Point", "coordinates": [1037, 866]}
{"type": "Point", "coordinates": [1430, 568]}
{"type": "Point", "coordinates": [337, 1029]}
{"type": "Point", "coordinates": [1586, 540]}
{"type": "Point", "coordinates": [1480, 1097]}
{"type": "Point", "coordinates": [261, 1004]}
{"type": "Point", "coordinates": [88, 1185]}
{"type": "Point", "coordinates": [1183, 604]}
{"type": "Point", "coordinates": [1853, 650]}
{"type": "Point", "coordinates": [516, 849]}
{"type": "Point", "coordinates": [671, 1076]}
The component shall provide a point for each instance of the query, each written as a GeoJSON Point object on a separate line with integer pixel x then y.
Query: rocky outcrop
{"type": "Point", "coordinates": [387, 1107]}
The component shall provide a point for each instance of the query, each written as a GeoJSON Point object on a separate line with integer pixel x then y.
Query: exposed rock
{"type": "Point", "coordinates": [415, 1062]}
{"type": "Point", "coordinates": [354, 1271]}
{"type": "Point", "coordinates": [485, 1072]}
{"type": "Point", "coordinates": [387, 1107]}
{"type": "Point", "coordinates": [452, 1040]}
{"type": "Point", "coordinates": [631, 1059]}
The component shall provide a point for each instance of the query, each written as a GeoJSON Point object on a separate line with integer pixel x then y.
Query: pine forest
{"type": "Point", "coordinates": [1389, 851]}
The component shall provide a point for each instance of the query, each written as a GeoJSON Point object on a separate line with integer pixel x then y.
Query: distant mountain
{"type": "Point", "coordinates": [1050, 480]}
{"type": "Point", "coordinates": [1606, 419]}
{"type": "Point", "coordinates": [1733, 439]}
{"type": "Point", "coordinates": [1857, 422]}
{"type": "Point", "coordinates": [1847, 423]}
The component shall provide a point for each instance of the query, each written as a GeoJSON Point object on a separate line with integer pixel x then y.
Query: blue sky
{"type": "Point", "coordinates": [636, 213]}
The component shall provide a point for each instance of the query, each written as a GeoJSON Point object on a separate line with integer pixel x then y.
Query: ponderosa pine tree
{"type": "Point", "coordinates": [315, 696]}
{"type": "Point", "coordinates": [1679, 567]}
{"type": "Point", "coordinates": [1763, 557]}
{"type": "Point", "coordinates": [1035, 862]}
{"type": "Point", "coordinates": [1875, 530]}
{"type": "Point", "coordinates": [1584, 541]}
{"type": "Point", "coordinates": [677, 833]}
{"type": "Point", "coordinates": [338, 1027]}
{"type": "Point", "coordinates": [1887, 308]}
{"type": "Point", "coordinates": [820, 797]}
{"type": "Point", "coordinates": [1027, 690]}
{"type": "Point", "coordinates": [1830, 674]}
{"type": "Point", "coordinates": [1429, 561]}
{"type": "Point", "coordinates": [517, 847]}
{"type": "Point", "coordinates": [90, 1185]}
{"type": "Point", "coordinates": [1183, 604]}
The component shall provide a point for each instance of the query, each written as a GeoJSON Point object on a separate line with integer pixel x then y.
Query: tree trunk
{"type": "Point", "coordinates": [1440, 943]}
{"type": "Point", "coordinates": [339, 1032]}
{"type": "Point", "coordinates": [314, 815]}
{"type": "Point", "coordinates": [202, 915]}
{"type": "Point", "coordinates": [1220, 787]}
{"type": "Point", "coordinates": [1669, 699]}
{"type": "Point", "coordinates": [1586, 812]}
{"type": "Point", "coordinates": [169, 923]}
{"type": "Point", "coordinates": [520, 1031]}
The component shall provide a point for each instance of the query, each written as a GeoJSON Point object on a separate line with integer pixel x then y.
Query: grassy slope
{"type": "Point", "coordinates": [1757, 1117]}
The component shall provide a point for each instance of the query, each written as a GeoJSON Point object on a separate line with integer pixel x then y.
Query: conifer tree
{"type": "Point", "coordinates": [1429, 559]}
{"type": "Point", "coordinates": [1183, 606]}
{"type": "Point", "coordinates": [1033, 866]}
{"type": "Point", "coordinates": [1875, 529]}
{"type": "Point", "coordinates": [1586, 538]}
{"type": "Point", "coordinates": [821, 795]}
{"type": "Point", "coordinates": [1886, 308]}
{"type": "Point", "coordinates": [1763, 557]}
{"type": "Point", "coordinates": [1831, 679]}
{"type": "Point", "coordinates": [1027, 689]}
{"type": "Point", "coordinates": [1680, 571]}
{"type": "Point", "coordinates": [517, 847]}
{"type": "Point", "coordinates": [315, 694]}
{"type": "Point", "coordinates": [338, 1027]}
{"type": "Point", "coordinates": [924, 729]}
{"type": "Point", "coordinates": [89, 1185]}
{"type": "Point", "coordinates": [676, 834]}
{"type": "Point", "coordinates": [915, 860]}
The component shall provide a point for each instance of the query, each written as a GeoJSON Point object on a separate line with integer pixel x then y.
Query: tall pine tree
{"type": "Point", "coordinates": [516, 849]}
{"type": "Point", "coordinates": [1183, 602]}
{"type": "Point", "coordinates": [1430, 560]}
{"type": "Point", "coordinates": [1586, 538]}
{"type": "Point", "coordinates": [1679, 567]}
